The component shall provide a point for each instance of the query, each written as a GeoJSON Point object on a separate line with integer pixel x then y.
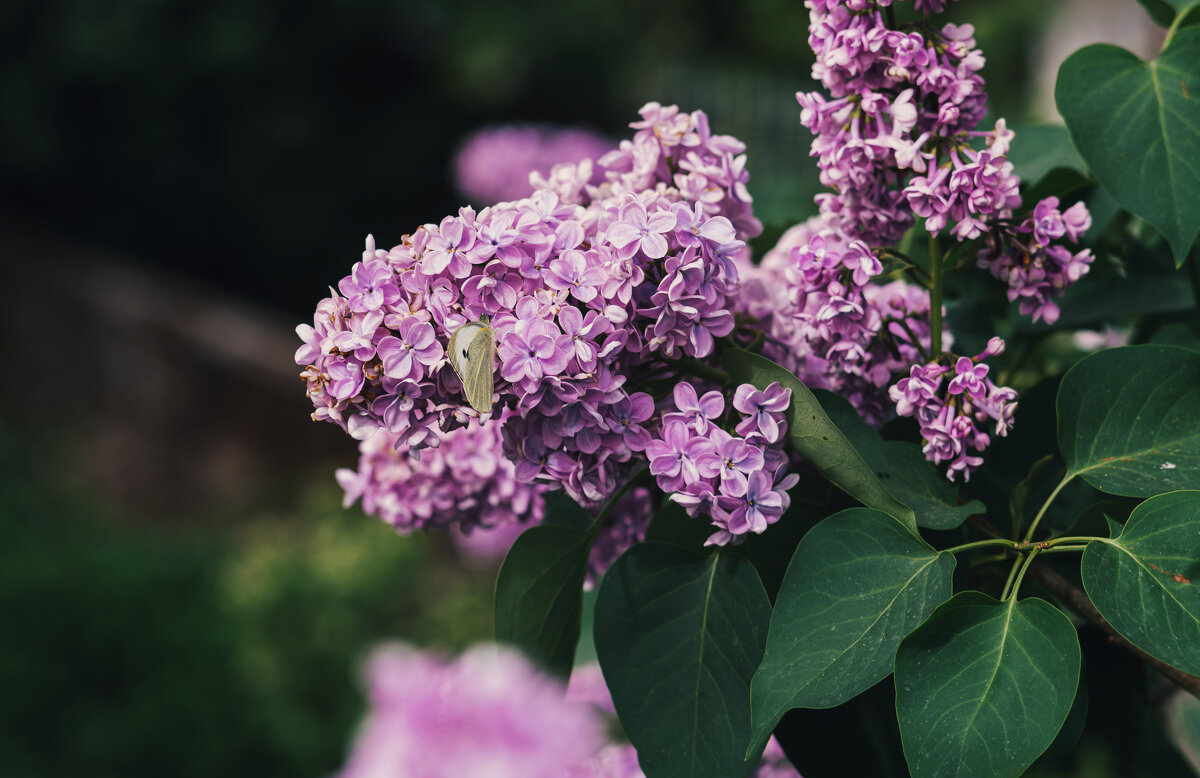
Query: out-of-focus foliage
{"type": "Point", "coordinates": [129, 651]}
{"type": "Point", "coordinates": [255, 144]}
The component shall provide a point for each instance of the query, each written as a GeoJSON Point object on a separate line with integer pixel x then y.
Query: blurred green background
{"type": "Point", "coordinates": [181, 592]}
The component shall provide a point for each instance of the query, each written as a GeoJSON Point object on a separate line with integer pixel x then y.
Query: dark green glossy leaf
{"type": "Point", "coordinates": [1146, 581]}
{"type": "Point", "coordinates": [1038, 149]}
{"type": "Point", "coordinates": [902, 468]}
{"type": "Point", "coordinates": [679, 637]}
{"type": "Point", "coordinates": [1129, 420]}
{"type": "Point", "coordinates": [539, 594]}
{"type": "Point", "coordinates": [983, 686]}
{"type": "Point", "coordinates": [817, 438]}
{"type": "Point", "coordinates": [858, 584]}
{"type": "Point", "coordinates": [1137, 124]}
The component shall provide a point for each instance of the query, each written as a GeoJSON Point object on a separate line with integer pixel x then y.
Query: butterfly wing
{"type": "Point", "coordinates": [472, 353]}
{"type": "Point", "coordinates": [459, 350]}
{"type": "Point", "coordinates": [481, 368]}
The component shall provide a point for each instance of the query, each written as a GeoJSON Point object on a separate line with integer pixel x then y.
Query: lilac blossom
{"type": "Point", "coordinates": [369, 286]}
{"type": "Point", "coordinates": [635, 230]}
{"type": "Point", "coordinates": [951, 412]}
{"type": "Point", "coordinates": [488, 712]}
{"type": "Point", "coordinates": [578, 312]}
{"type": "Point", "coordinates": [738, 481]}
{"type": "Point", "coordinates": [494, 164]}
{"type": "Point", "coordinates": [464, 483]}
{"type": "Point", "coordinates": [680, 457]}
{"type": "Point", "coordinates": [763, 410]}
{"type": "Point", "coordinates": [414, 347]}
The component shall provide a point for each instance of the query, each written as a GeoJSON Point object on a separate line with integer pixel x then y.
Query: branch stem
{"type": "Point", "coordinates": [935, 296]}
{"type": "Point", "coordinates": [1078, 601]}
{"type": "Point", "coordinates": [1016, 587]}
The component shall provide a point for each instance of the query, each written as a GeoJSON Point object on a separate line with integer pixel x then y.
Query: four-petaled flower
{"type": "Point", "coordinates": [637, 230]}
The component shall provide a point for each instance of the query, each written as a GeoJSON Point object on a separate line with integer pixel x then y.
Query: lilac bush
{"type": "Point", "coordinates": [653, 370]}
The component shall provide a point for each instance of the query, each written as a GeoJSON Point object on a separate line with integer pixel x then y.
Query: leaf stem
{"type": "Point", "coordinates": [935, 296]}
{"type": "Point", "coordinates": [1176, 23]}
{"type": "Point", "coordinates": [1016, 586]}
{"type": "Point", "coordinates": [1066, 480]}
{"type": "Point", "coordinates": [980, 544]}
{"type": "Point", "coordinates": [698, 369]}
{"type": "Point", "coordinates": [634, 478]}
{"type": "Point", "coordinates": [1058, 544]}
{"type": "Point", "coordinates": [1012, 573]}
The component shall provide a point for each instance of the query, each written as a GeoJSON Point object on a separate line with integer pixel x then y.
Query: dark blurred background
{"type": "Point", "coordinates": [180, 590]}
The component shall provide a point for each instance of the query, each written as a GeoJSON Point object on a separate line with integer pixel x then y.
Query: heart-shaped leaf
{"type": "Point", "coordinates": [1129, 420]}
{"type": "Point", "coordinates": [902, 468]}
{"type": "Point", "coordinates": [539, 594]}
{"type": "Point", "coordinates": [818, 438]}
{"type": "Point", "coordinates": [1146, 582]}
{"type": "Point", "coordinates": [1137, 124]}
{"type": "Point", "coordinates": [679, 637]}
{"type": "Point", "coordinates": [857, 585]}
{"type": "Point", "coordinates": [983, 686]}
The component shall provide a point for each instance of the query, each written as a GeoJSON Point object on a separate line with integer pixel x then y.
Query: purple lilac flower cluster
{"type": "Point", "coordinates": [895, 140]}
{"type": "Point", "coordinates": [826, 319]}
{"type": "Point", "coordinates": [489, 712]}
{"type": "Point", "coordinates": [951, 412]}
{"type": "Point", "coordinates": [738, 478]}
{"type": "Point", "coordinates": [463, 483]}
{"type": "Point", "coordinates": [901, 100]}
{"type": "Point", "coordinates": [495, 163]}
{"type": "Point", "coordinates": [584, 286]}
{"type": "Point", "coordinates": [1034, 268]}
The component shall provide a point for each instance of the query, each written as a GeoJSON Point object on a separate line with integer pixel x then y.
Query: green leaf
{"type": "Point", "coordinates": [1159, 11]}
{"type": "Point", "coordinates": [1129, 420]}
{"type": "Point", "coordinates": [1094, 301]}
{"type": "Point", "coordinates": [902, 468]}
{"type": "Point", "coordinates": [539, 594]}
{"type": "Point", "coordinates": [1137, 125]}
{"type": "Point", "coordinates": [678, 638]}
{"type": "Point", "coordinates": [815, 741]}
{"type": "Point", "coordinates": [1146, 582]}
{"type": "Point", "coordinates": [817, 438]}
{"type": "Point", "coordinates": [1038, 149]}
{"type": "Point", "coordinates": [1179, 334]}
{"type": "Point", "coordinates": [671, 524]}
{"type": "Point", "coordinates": [857, 585]}
{"type": "Point", "coordinates": [562, 511]}
{"type": "Point", "coordinates": [1182, 5]}
{"type": "Point", "coordinates": [983, 686]}
{"type": "Point", "coordinates": [1182, 714]}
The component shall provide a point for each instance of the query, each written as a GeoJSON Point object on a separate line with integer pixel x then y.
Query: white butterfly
{"type": "Point", "coordinates": [472, 353]}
